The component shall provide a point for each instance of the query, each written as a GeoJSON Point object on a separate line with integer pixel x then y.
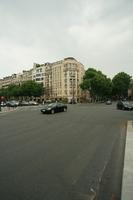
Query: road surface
{"type": "Point", "coordinates": [62, 156]}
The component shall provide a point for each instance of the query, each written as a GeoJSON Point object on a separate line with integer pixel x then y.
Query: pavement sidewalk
{"type": "Point", "coordinates": [127, 182]}
{"type": "Point", "coordinates": [7, 109]}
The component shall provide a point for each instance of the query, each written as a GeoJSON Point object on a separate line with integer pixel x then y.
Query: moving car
{"type": "Point", "coordinates": [124, 105]}
{"type": "Point", "coordinates": [54, 108]}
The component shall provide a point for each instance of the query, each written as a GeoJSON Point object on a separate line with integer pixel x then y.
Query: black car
{"type": "Point", "coordinates": [124, 105]}
{"type": "Point", "coordinates": [54, 108]}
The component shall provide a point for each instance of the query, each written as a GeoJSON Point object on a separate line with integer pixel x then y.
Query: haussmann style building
{"type": "Point", "coordinates": [67, 75]}
{"type": "Point", "coordinates": [61, 79]}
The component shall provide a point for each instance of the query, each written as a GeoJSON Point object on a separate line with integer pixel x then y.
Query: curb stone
{"type": "Point", "coordinates": [127, 180]}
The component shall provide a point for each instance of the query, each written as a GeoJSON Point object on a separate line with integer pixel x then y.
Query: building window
{"type": "Point", "coordinates": [38, 75]}
{"type": "Point", "coordinates": [38, 79]}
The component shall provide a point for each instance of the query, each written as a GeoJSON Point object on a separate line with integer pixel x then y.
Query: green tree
{"type": "Point", "coordinates": [101, 86]}
{"type": "Point", "coordinates": [27, 89]}
{"type": "Point", "coordinates": [13, 90]}
{"type": "Point", "coordinates": [31, 88]}
{"type": "Point", "coordinates": [3, 92]}
{"type": "Point", "coordinates": [121, 83]}
{"type": "Point", "coordinates": [97, 83]}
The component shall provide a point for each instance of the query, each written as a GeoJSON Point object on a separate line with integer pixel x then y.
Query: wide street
{"type": "Point", "coordinates": [62, 156]}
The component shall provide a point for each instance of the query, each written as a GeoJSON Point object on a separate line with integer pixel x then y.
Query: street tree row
{"type": "Point", "coordinates": [26, 89]}
{"type": "Point", "coordinates": [94, 81]}
{"type": "Point", "coordinates": [100, 86]}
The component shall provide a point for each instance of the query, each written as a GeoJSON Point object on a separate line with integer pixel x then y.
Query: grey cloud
{"type": "Point", "coordinates": [98, 33]}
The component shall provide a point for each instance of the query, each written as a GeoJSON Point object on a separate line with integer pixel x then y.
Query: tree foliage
{"type": "Point", "coordinates": [101, 86]}
{"type": "Point", "coordinates": [27, 89]}
{"type": "Point", "coordinates": [121, 83]}
{"type": "Point", "coordinates": [97, 83]}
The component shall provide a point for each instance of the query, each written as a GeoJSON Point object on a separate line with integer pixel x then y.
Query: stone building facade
{"type": "Point", "coordinates": [16, 78]}
{"type": "Point", "coordinates": [67, 75]}
{"type": "Point", "coordinates": [60, 79]}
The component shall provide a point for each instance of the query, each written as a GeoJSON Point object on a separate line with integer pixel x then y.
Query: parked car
{"type": "Point", "coordinates": [48, 101]}
{"type": "Point", "coordinates": [124, 105]}
{"type": "Point", "coordinates": [24, 103]}
{"type": "Point", "coordinates": [108, 102]}
{"type": "Point", "coordinates": [12, 103]}
{"type": "Point", "coordinates": [3, 104]}
{"type": "Point", "coordinates": [33, 103]}
{"type": "Point", "coordinates": [54, 108]}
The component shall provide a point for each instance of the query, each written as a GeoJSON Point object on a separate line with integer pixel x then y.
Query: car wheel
{"type": "Point", "coordinates": [52, 111]}
{"type": "Point", "coordinates": [65, 109]}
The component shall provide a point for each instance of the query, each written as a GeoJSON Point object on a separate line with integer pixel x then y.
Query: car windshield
{"type": "Point", "coordinates": [126, 103]}
{"type": "Point", "coordinates": [51, 105]}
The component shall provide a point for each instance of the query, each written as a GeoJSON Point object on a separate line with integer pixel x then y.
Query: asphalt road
{"type": "Point", "coordinates": [62, 156]}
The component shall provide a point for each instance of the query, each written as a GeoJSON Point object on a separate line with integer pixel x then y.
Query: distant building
{"type": "Point", "coordinates": [26, 75]}
{"type": "Point", "coordinates": [130, 90]}
{"type": "Point", "coordinates": [48, 81]}
{"type": "Point", "coordinates": [38, 73]}
{"type": "Point", "coordinates": [16, 78]}
{"type": "Point", "coordinates": [6, 81]}
{"type": "Point", "coordinates": [60, 79]}
{"type": "Point", "coordinates": [67, 75]}
{"type": "Point", "coordinates": [1, 81]}
{"type": "Point", "coordinates": [130, 93]}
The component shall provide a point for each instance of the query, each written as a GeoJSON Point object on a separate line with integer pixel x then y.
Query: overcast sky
{"type": "Point", "coordinates": [98, 33]}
